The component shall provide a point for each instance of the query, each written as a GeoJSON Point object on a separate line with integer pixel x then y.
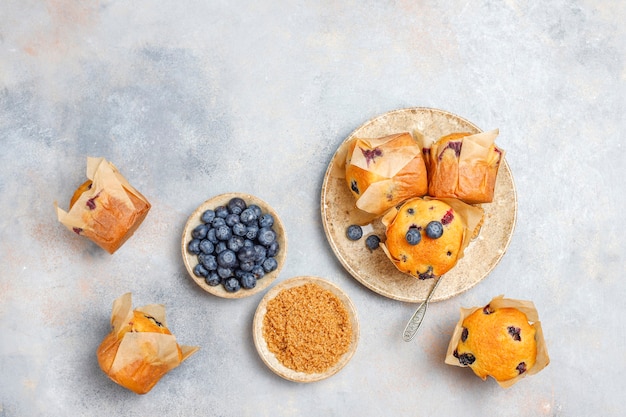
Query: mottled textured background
{"type": "Point", "coordinates": [194, 98]}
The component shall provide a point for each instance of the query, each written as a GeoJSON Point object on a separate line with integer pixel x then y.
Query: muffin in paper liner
{"type": "Point", "coordinates": [382, 172]}
{"type": "Point", "coordinates": [106, 208]}
{"type": "Point", "coordinates": [428, 259]}
{"type": "Point", "coordinates": [526, 307]}
{"type": "Point", "coordinates": [140, 349]}
{"type": "Point", "coordinates": [462, 165]}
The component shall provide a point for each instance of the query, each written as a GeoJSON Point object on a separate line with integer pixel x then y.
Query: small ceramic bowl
{"type": "Point", "coordinates": [272, 361]}
{"type": "Point", "coordinates": [191, 260]}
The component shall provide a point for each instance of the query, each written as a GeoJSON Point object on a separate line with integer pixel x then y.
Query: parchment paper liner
{"type": "Point", "coordinates": [369, 205]}
{"type": "Point", "coordinates": [129, 350]}
{"type": "Point", "coordinates": [112, 189]}
{"type": "Point", "coordinates": [472, 217]}
{"type": "Point", "coordinates": [526, 307]}
{"type": "Point", "coordinates": [475, 177]}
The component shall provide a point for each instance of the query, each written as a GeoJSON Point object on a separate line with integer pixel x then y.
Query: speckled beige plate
{"type": "Point", "coordinates": [270, 359]}
{"type": "Point", "coordinates": [374, 269]}
{"type": "Point", "coordinates": [191, 260]}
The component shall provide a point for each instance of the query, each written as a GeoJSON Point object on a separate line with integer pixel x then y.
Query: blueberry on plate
{"type": "Point", "coordinates": [266, 236]}
{"type": "Point", "coordinates": [236, 205]}
{"type": "Point", "coordinates": [270, 264]}
{"type": "Point", "coordinates": [208, 216]}
{"type": "Point", "coordinates": [246, 254]}
{"type": "Point", "coordinates": [221, 211]}
{"type": "Point", "coordinates": [434, 229]}
{"type": "Point", "coordinates": [213, 279]}
{"type": "Point", "coordinates": [247, 280]}
{"type": "Point", "coordinates": [258, 271]}
{"type": "Point", "coordinates": [227, 259]}
{"type": "Point", "coordinates": [413, 236]}
{"type": "Point", "coordinates": [194, 246]}
{"type": "Point", "coordinates": [266, 220]}
{"type": "Point", "coordinates": [208, 261]}
{"type": "Point", "coordinates": [206, 246]}
{"type": "Point", "coordinates": [200, 231]}
{"type": "Point", "coordinates": [354, 232]}
{"type": "Point", "coordinates": [217, 222]}
{"type": "Point", "coordinates": [239, 229]}
{"type": "Point", "coordinates": [372, 242]}
{"type": "Point", "coordinates": [200, 271]}
{"type": "Point", "coordinates": [272, 249]}
{"type": "Point", "coordinates": [232, 284]}
{"type": "Point", "coordinates": [248, 216]}
{"type": "Point", "coordinates": [252, 231]}
{"type": "Point", "coordinates": [223, 232]}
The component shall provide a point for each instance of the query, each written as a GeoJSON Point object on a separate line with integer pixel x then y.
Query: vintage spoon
{"type": "Point", "coordinates": [416, 320]}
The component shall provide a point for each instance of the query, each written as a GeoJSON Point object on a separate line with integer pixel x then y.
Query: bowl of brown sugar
{"type": "Point", "coordinates": [305, 329]}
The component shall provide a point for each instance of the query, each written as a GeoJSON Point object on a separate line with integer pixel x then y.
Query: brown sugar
{"type": "Point", "coordinates": [307, 328]}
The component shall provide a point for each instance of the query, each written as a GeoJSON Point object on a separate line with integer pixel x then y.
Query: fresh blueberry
{"type": "Point", "coordinates": [247, 280]}
{"type": "Point", "coordinates": [372, 242]}
{"type": "Point", "coordinates": [235, 243]}
{"type": "Point", "coordinates": [246, 254]}
{"type": "Point", "coordinates": [213, 279]}
{"type": "Point", "coordinates": [248, 216]}
{"type": "Point", "coordinates": [239, 229]}
{"type": "Point", "coordinates": [200, 271]}
{"type": "Point", "coordinates": [208, 216]}
{"type": "Point", "coordinates": [221, 211]}
{"type": "Point", "coordinates": [354, 232]}
{"type": "Point", "coordinates": [258, 271]}
{"type": "Point", "coordinates": [270, 264]}
{"type": "Point", "coordinates": [194, 246]}
{"type": "Point", "coordinates": [266, 220]}
{"type": "Point", "coordinates": [260, 253]}
{"type": "Point", "coordinates": [246, 266]}
{"type": "Point", "coordinates": [236, 205]}
{"type": "Point", "coordinates": [220, 247]}
{"type": "Point", "coordinates": [211, 236]}
{"type": "Point", "coordinates": [227, 259]}
{"type": "Point", "coordinates": [232, 219]}
{"type": "Point", "coordinates": [272, 249]}
{"type": "Point", "coordinates": [247, 243]}
{"type": "Point", "coordinates": [206, 246]}
{"type": "Point", "coordinates": [434, 229]}
{"type": "Point", "coordinates": [200, 231]}
{"type": "Point", "coordinates": [256, 209]}
{"type": "Point", "coordinates": [223, 232]}
{"type": "Point", "coordinates": [225, 273]}
{"type": "Point", "coordinates": [252, 231]}
{"type": "Point", "coordinates": [232, 284]}
{"type": "Point", "coordinates": [208, 261]}
{"type": "Point", "coordinates": [413, 236]}
{"type": "Point", "coordinates": [266, 236]}
{"type": "Point", "coordinates": [217, 222]}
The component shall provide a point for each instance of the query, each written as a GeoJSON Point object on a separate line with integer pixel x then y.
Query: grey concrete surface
{"type": "Point", "coordinates": [195, 98]}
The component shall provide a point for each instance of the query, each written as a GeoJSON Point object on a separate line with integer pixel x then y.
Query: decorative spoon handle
{"type": "Point", "coordinates": [416, 320]}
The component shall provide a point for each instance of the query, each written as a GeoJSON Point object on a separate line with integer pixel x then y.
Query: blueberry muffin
{"type": "Point", "coordinates": [497, 342]}
{"type": "Point", "coordinates": [425, 237]}
{"type": "Point", "coordinates": [464, 166]}
{"type": "Point", "coordinates": [383, 172]}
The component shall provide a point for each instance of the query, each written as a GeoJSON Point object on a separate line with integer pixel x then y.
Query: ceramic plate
{"type": "Point", "coordinates": [191, 260]}
{"type": "Point", "coordinates": [270, 359]}
{"type": "Point", "coordinates": [372, 268]}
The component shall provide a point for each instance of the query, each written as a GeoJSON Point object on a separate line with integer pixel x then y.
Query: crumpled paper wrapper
{"type": "Point", "coordinates": [110, 211]}
{"type": "Point", "coordinates": [472, 179]}
{"type": "Point", "coordinates": [141, 358]}
{"type": "Point", "coordinates": [398, 174]}
{"type": "Point", "coordinates": [526, 307]}
{"type": "Point", "coordinates": [472, 220]}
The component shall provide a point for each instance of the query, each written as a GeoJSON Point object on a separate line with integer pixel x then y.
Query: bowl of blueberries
{"type": "Point", "coordinates": [234, 245]}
